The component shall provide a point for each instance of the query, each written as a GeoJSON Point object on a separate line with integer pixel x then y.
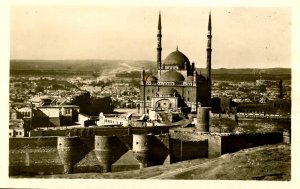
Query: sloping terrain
{"type": "Point", "coordinates": [270, 162]}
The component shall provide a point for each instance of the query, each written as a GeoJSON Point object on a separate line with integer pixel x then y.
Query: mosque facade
{"type": "Point", "coordinates": [177, 86]}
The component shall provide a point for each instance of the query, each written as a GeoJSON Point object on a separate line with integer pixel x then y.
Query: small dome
{"type": "Point", "coordinates": [167, 91]}
{"type": "Point", "coordinates": [176, 58]}
{"type": "Point", "coordinates": [152, 78]}
{"type": "Point", "coordinates": [172, 76]}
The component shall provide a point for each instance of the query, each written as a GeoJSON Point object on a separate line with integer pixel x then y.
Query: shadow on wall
{"type": "Point", "coordinates": [187, 150]}
{"type": "Point", "coordinates": [57, 155]}
{"type": "Point", "coordinates": [159, 146]}
{"type": "Point", "coordinates": [108, 150]}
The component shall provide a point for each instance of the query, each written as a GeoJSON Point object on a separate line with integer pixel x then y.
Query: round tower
{"type": "Point", "coordinates": [140, 148]}
{"type": "Point", "coordinates": [68, 151]}
{"type": "Point", "coordinates": [203, 119]}
{"type": "Point", "coordinates": [103, 151]}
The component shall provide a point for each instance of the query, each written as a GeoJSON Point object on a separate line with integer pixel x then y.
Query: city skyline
{"type": "Point", "coordinates": [129, 33]}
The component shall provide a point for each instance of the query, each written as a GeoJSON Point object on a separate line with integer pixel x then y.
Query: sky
{"type": "Point", "coordinates": [242, 37]}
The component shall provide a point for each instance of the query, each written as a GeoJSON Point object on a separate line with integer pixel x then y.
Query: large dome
{"type": "Point", "coordinates": [167, 91]}
{"type": "Point", "coordinates": [172, 76]}
{"type": "Point", "coordinates": [176, 58]}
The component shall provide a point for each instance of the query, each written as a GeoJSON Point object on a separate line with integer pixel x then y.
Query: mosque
{"type": "Point", "coordinates": [177, 86]}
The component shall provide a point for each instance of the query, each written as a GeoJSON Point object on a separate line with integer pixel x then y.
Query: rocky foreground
{"type": "Point", "coordinates": [270, 162]}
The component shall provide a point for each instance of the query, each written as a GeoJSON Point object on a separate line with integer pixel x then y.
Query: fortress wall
{"type": "Point", "coordinates": [70, 150]}
{"type": "Point", "coordinates": [159, 152]}
{"type": "Point", "coordinates": [214, 145]}
{"type": "Point", "coordinates": [103, 131]}
{"type": "Point", "coordinates": [193, 146]}
{"type": "Point", "coordinates": [27, 162]}
{"type": "Point", "coordinates": [32, 143]}
{"type": "Point", "coordinates": [219, 144]}
{"type": "Point", "coordinates": [45, 155]}
{"type": "Point", "coordinates": [37, 155]}
{"type": "Point", "coordinates": [121, 158]}
{"type": "Point", "coordinates": [186, 150]}
{"type": "Point", "coordinates": [58, 155]}
{"type": "Point", "coordinates": [49, 133]}
{"type": "Point", "coordinates": [233, 143]}
{"type": "Point", "coordinates": [153, 130]}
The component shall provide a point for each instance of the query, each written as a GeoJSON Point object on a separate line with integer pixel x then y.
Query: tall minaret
{"type": "Point", "coordinates": [159, 45]}
{"type": "Point", "coordinates": [208, 49]}
{"type": "Point", "coordinates": [143, 90]}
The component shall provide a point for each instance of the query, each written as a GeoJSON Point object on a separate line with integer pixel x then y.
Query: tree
{"type": "Point", "coordinates": [262, 88]}
{"type": "Point", "coordinates": [39, 89]}
{"type": "Point", "coordinates": [104, 105]}
{"type": "Point", "coordinates": [93, 106]}
{"type": "Point", "coordinates": [83, 101]}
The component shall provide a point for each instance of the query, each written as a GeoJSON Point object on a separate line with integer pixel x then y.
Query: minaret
{"type": "Point", "coordinates": [208, 49]}
{"type": "Point", "coordinates": [159, 45]}
{"type": "Point", "coordinates": [280, 90]}
{"type": "Point", "coordinates": [143, 82]}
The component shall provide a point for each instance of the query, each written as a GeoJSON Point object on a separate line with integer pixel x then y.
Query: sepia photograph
{"type": "Point", "coordinates": [139, 92]}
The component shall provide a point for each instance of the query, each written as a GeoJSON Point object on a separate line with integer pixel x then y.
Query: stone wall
{"type": "Point", "coordinates": [36, 155]}
{"type": "Point", "coordinates": [233, 143]}
{"type": "Point", "coordinates": [222, 143]}
{"type": "Point", "coordinates": [103, 131]}
{"type": "Point", "coordinates": [186, 150]}
{"type": "Point", "coordinates": [64, 154]}
{"type": "Point", "coordinates": [71, 154]}
{"type": "Point", "coordinates": [32, 143]}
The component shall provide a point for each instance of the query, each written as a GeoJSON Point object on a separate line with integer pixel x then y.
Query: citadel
{"type": "Point", "coordinates": [161, 133]}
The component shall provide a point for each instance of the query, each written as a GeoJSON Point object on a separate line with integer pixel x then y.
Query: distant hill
{"type": "Point", "coordinates": [248, 74]}
{"type": "Point", "coordinates": [112, 66]}
{"type": "Point", "coordinates": [256, 71]}
{"type": "Point", "coordinates": [76, 65]}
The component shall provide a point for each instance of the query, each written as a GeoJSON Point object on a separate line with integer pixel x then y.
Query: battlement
{"type": "Point", "coordinates": [103, 151]}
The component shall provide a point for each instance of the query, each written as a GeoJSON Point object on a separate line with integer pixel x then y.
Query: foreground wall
{"type": "Point", "coordinates": [233, 143]}
{"type": "Point", "coordinates": [34, 156]}
{"type": "Point", "coordinates": [222, 143]}
{"type": "Point", "coordinates": [91, 152]}
{"type": "Point", "coordinates": [185, 150]}
{"type": "Point", "coordinates": [103, 131]}
{"type": "Point", "coordinates": [58, 155]}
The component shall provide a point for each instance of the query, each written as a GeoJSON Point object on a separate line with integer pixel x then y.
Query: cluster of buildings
{"type": "Point", "coordinates": [260, 91]}
{"type": "Point", "coordinates": [43, 111]}
{"type": "Point", "coordinates": [124, 94]}
{"type": "Point", "coordinates": [174, 93]}
{"type": "Point", "coordinates": [24, 88]}
{"type": "Point", "coordinates": [21, 89]}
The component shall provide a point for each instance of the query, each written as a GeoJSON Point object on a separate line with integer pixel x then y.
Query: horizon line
{"type": "Point", "coordinates": [19, 59]}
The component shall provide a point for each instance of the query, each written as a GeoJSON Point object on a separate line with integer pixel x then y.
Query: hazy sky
{"type": "Point", "coordinates": [242, 37]}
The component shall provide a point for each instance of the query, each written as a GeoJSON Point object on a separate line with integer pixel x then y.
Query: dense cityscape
{"type": "Point", "coordinates": [149, 119]}
{"type": "Point", "coordinates": [125, 92]}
